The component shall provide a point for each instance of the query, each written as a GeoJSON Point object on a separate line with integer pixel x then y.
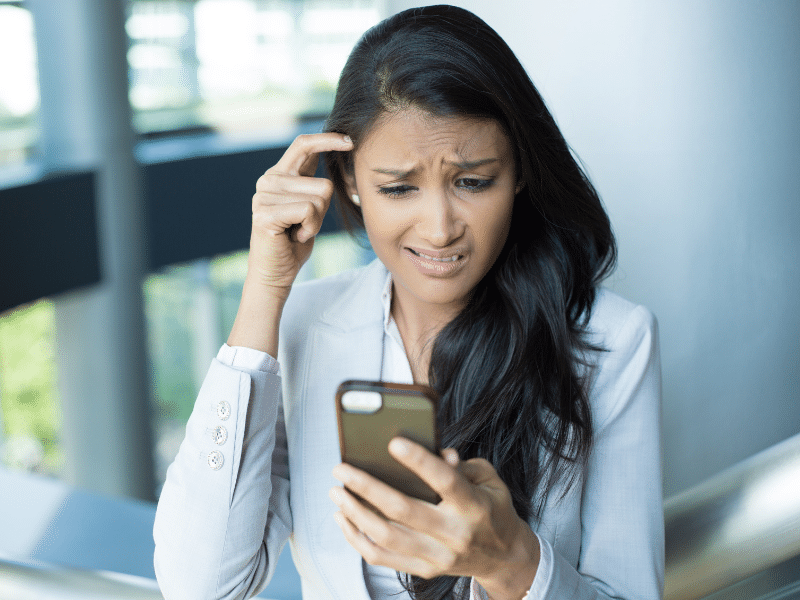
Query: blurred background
{"type": "Point", "coordinates": [132, 133]}
{"type": "Point", "coordinates": [208, 80]}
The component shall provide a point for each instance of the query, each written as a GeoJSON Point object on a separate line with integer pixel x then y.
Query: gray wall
{"type": "Point", "coordinates": [687, 116]}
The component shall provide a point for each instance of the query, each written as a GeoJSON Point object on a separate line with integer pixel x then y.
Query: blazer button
{"type": "Point", "coordinates": [223, 410]}
{"type": "Point", "coordinates": [215, 460]}
{"type": "Point", "coordinates": [219, 435]}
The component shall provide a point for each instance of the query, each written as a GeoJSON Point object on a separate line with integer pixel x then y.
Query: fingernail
{"type": "Point", "coordinates": [336, 495]}
{"type": "Point", "coordinates": [399, 447]}
{"type": "Point", "coordinates": [339, 519]}
{"type": "Point", "coordinates": [452, 457]}
{"type": "Point", "coordinates": [347, 139]}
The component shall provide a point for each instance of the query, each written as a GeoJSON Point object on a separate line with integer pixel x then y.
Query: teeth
{"type": "Point", "coordinates": [448, 259]}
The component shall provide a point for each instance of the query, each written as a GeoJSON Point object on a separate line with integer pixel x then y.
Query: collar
{"type": "Point", "coordinates": [386, 301]}
{"type": "Point", "coordinates": [354, 293]}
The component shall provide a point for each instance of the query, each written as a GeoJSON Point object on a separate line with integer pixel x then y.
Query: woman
{"type": "Point", "coordinates": [491, 245]}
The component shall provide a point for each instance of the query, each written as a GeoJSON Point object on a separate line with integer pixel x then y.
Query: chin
{"type": "Point", "coordinates": [443, 293]}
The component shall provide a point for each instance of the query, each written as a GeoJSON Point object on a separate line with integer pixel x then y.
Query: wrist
{"type": "Point", "coordinates": [514, 577]}
{"type": "Point", "coordinates": [258, 318]}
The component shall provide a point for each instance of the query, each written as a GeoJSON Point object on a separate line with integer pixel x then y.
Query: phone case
{"type": "Point", "coordinates": [365, 431]}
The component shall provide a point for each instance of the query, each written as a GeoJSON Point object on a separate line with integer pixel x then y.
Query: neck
{"type": "Point", "coordinates": [419, 323]}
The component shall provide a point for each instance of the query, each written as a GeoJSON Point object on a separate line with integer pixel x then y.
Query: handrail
{"type": "Point", "coordinates": [734, 525]}
{"type": "Point", "coordinates": [26, 580]}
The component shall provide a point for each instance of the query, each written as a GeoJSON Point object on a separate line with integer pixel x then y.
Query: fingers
{"type": "Point", "coordinates": [459, 536]}
{"type": "Point", "coordinates": [440, 474]}
{"type": "Point", "coordinates": [375, 554]}
{"type": "Point", "coordinates": [380, 531]}
{"type": "Point", "coordinates": [384, 542]}
{"type": "Point", "coordinates": [303, 217]}
{"type": "Point", "coordinates": [273, 182]}
{"type": "Point", "coordinates": [287, 198]}
{"type": "Point", "coordinates": [450, 456]}
{"type": "Point", "coordinates": [480, 472]}
{"type": "Point", "coordinates": [395, 505]}
{"type": "Point", "coordinates": [302, 155]}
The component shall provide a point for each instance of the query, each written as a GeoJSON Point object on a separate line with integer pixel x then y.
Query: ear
{"type": "Point", "coordinates": [352, 190]}
{"type": "Point", "coordinates": [520, 187]}
{"type": "Point", "coordinates": [350, 183]}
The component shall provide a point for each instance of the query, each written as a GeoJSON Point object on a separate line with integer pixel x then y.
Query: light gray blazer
{"type": "Point", "coordinates": [229, 505]}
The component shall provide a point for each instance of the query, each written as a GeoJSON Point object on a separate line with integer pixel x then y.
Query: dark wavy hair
{"type": "Point", "coordinates": [509, 367]}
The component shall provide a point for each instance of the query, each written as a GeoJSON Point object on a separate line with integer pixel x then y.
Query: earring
{"type": "Point", "coordinates": [356, 200]}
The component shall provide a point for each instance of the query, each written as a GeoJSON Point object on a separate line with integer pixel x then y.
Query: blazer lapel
{"type": "Point", "coordinates": [346, 343]}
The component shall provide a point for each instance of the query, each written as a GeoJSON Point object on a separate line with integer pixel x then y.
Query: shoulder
{"type": "Point", "coordinates": [626, 364]}
{"type": "Point", "coordinates": [336, 298]}
{"type": "Point", "coordinates": [314, 296]}
{"type": "Point", "coordinates": [617, 322]}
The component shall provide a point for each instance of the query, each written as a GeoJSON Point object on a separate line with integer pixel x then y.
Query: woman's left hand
{"type": "Point", "coordinates": [473, 532]}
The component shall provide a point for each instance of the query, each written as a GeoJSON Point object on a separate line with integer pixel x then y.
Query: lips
{"type": "Point", "coordinates": [432, 263]}
{"type": "Point", "coordinates": [451, 255]}
{"type": "Point", "coordinates": [452, 258]}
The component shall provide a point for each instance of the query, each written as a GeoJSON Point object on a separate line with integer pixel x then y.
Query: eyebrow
{"type": "Point", "coordinates": [464, 166]}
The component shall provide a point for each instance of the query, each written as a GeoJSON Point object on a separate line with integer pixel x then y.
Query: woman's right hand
{"type": "Point", "coordinates": [288, 208]}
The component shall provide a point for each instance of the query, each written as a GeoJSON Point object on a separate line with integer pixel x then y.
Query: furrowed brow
{"type": "Point", "coordinates": [397, 173]}
{"type": "Point", "coordinates": [473, 164]}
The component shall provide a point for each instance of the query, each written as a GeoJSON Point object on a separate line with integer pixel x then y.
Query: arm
{"type": "Point", "coordinates": [622, 518]}
{"type": "Point", "coordinates": [222, 521]}
{"type": "Point", "coordinates": [224, 514]}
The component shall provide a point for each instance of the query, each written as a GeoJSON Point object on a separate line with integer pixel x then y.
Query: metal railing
{"type": "Point", "coordinates": [38, 581]}
{"type": "Point", "coordinates": [735, 525]}
{"type": "Point", "coordinates": [740, 523]}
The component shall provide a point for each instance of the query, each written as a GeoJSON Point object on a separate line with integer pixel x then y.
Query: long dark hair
{"type": "Point", "coordinates": [509, 367]}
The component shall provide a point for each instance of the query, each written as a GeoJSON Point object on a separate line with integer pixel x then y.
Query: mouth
{"type": "Point", "coordinates": [443, 259]}
{"type": "Point", "coordinates": [446, 263]}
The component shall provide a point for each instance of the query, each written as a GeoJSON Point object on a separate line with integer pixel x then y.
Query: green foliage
{"type": "Point", "coordinates": [28, 394]}
{"type": "Point", "coordinates": [168, 309]}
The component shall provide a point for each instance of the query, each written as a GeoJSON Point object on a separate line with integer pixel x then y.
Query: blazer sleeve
{"type": "Point", "coordinates": [622, 518]}
{"type": "Point", "coordinates": [223, 515]}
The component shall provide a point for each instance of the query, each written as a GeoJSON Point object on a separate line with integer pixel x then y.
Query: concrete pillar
{"type": "Point", "coordinates": [86, 123]}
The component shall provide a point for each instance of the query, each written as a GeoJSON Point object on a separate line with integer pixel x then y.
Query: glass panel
{"type": "Point", "coordinates": [191, 308]}
{"type": "Point", "coordinates": [239, 66]}
{"type": "Point", "coordinates": [19, 85]}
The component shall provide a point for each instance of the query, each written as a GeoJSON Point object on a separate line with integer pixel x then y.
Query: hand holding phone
{"type": "Point", "coordinates": [371, 413]}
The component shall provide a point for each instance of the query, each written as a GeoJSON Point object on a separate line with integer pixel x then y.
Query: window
{"type": "Point", "coordinates": [239, 67]}
{"type": "Point", "coordinates": [243, 68]}
{"type": "Point", "coordinates": [19, 88]}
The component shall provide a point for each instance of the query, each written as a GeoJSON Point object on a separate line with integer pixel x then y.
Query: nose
{"type": "Point", "coordinates": [438, 222]}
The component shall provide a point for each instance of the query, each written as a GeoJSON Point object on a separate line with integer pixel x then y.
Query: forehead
{"type": "Point", "coordinates": [414, 136]}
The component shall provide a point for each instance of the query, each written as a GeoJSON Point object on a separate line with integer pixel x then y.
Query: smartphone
{"type": "Point", "coordinates": [371, 413]}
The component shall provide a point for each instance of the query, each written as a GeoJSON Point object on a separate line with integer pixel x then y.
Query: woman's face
{"type": "Point", "coordinates": [437, 196]}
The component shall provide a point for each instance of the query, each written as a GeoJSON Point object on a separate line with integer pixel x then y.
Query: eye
{"type": "Point", "coordinates": [474, 184]}
{"type": "Point", "coordinates": [395, 191]}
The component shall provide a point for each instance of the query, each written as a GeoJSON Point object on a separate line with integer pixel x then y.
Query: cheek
{"type": "Point", "coordinates": [374, 226]}
{"type": "Point", "coordinates": [384, 223]}
{"type": "Point", "coordinates": [492, 227]}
